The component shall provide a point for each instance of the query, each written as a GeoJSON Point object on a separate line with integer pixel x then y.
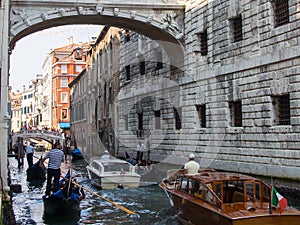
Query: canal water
{"type": "Point", "coordinates": [150, 203]}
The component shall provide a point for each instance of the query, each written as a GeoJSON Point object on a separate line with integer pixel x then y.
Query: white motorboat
{"type": "Point", "coordinates": [107, 172]}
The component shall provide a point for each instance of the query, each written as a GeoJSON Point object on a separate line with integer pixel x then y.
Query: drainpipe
{"type": "Point", "coordinates": [4, 117]}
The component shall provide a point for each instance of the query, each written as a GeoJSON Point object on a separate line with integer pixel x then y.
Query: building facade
{"type": "Point", "coordinates": [15, 99]}
{"type": "Point", "coordinates": [67, 62]}
{"type": "Point", "coordinates": [234, 103]}
{"type": "Point", "coordinates": [93, 93]}
{"type": "Point", "coordinates": [28, 106]}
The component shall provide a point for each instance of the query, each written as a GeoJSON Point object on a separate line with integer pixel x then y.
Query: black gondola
{"type": "Point", "coordinates": [36, 173]}
{"type": "Point", "coordinates": [76, 154]}
{"type": "Point", "coordinates": [66, 201]}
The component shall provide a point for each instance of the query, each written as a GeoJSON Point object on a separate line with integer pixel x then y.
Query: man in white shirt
{"type": "Point", "coordinates": [29, 154]}
{"type": "Point", "coordinates": [191, 167]}
{"type": "Point", "coordinates": [140, 148]}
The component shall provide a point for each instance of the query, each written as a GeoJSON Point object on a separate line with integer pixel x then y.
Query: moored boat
{"type": "Point", "coordinates": [219, 198]}
{"type": "Point", "coordinates": [36, 173]}
{"type": "Point", "coordinates": [107, 172]}
{"type": "Point", "coordinates": [76, 154]}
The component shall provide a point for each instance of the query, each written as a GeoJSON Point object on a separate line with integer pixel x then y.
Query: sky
{"type": "Point", "coordinates": [30, 52]}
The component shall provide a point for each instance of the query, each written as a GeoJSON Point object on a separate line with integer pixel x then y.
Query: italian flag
{"type": "Point", "coordinates": [278, 200]}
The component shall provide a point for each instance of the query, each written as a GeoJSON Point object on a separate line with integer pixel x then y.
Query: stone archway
{"type": "Point", "coordinates": [161, 20]}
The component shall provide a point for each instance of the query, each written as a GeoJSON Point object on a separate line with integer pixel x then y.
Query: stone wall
{"type": "Point", "coordinates": [262, 65]}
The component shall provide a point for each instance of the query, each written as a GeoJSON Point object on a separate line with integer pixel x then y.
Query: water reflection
{"type": "Point", "coordinates": [150, 203]}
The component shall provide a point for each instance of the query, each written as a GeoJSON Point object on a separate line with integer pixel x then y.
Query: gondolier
{"type": "Point", "coordinates": [56, 157]}
{"type": "Point", "coordinates": [29, 154]}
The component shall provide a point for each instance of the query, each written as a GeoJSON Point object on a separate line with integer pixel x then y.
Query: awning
{"type": "Point", "coordinates": [64, 125]}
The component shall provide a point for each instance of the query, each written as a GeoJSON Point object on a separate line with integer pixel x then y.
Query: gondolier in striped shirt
{"type": "Point", "coordinates": [56, 157]}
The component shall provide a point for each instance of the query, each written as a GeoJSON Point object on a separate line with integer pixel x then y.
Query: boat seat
{"type": "Point", "coordinates": [238, 197]}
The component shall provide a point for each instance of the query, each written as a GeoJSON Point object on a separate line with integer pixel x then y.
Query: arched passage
{"type": "Point", "coordinates": [163, 24]}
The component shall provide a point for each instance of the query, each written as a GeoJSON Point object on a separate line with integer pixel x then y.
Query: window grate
{"type": "Point", "coordinates": [282, 109]}
{"type": "Point", "coordinates": [177, 113]}
{"type": "Point", "coordinates": [201, 115]}
{"type": "Point", "coordinates": [281, 12]}
{"type": "Point", "coordinates": [203, 42]}
{"type": "Point", "coordinates": [127, 70]}
{"type": "Point", "coordinates": [236, 113]}
{"type": "Point", "coordinates": [142, 67]}
{"type": "Point", "coordinates": [237, 28]}
{"type": "Point", "coordinates": [157, 119]}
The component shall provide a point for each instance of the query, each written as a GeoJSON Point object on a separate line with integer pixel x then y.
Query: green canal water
{"type": "Point", "coordinates": [150, 203]}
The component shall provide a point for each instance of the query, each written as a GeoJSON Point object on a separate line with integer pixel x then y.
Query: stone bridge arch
{"type": "Point", "coordinates": [161, 20]}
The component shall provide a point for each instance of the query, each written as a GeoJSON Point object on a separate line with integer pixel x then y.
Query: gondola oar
{"type": "Point", "coordinates": [105, 199]}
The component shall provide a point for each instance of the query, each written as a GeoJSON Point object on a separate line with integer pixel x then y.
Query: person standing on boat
{"type": "Point", "coordinates": [56, 157]}
{"type": "Point", "coordinates": [191, 167]}
{"type": "Point", "coordinates": [29, 154]}
{"type": "Point", "coordinates": [140, 148]}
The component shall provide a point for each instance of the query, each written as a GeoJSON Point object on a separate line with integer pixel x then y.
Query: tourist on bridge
{"type": "Point", "coordinates": [56, 157]}
{"type": "Point", "coordinates": [29, 154]}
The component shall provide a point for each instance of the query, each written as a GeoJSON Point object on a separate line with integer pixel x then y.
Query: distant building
{"type": "Point", "coordinates": [15, 99]}
{"type": "Point", "coordinates": [93, 93]}
{"type": "Point", "coordinates": [67, 62]}
{"type": "Point", "coordinates": [28, 106]}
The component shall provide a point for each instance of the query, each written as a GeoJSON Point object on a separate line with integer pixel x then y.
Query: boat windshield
{"type": "Point", "coordinates": [233, 191]}
{"type": "Point", "coordinates": [116, 167]}
{"type": "Point", "coordinates": [200, 190]}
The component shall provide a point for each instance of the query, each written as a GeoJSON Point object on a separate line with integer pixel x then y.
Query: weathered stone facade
{"type": "Point", "coordinates": [260, 67]}
{"type": "Point", "coordinates": [92, 95]}
{"type": "Point", "coordinates": [234, 103]}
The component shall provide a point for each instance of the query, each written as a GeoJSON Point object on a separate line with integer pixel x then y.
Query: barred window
{"type": "Point", "coordinates": [177, 113]}
{"type": "Point", "coordinates": [281, 12]}
{"type": "Point", "coordinates": [236, 28]}
{"type": "Point", "coordinates": [127, 71]}
{"type": "Point", "coordinates": [281, 110]}
{"type": "Point", "coordinates": [159, 59]}
{"type": "Point", "coordinates": [236, 113]}
{"type": "Point", "coordinates": [201, 110]}
{"type": "Point", "coordinates": [157, 119]}
{"type": "Point", "coordinates": [125, 122]}
{"type": "Point", "coordinates": [142, 68]}
{"type": "Point", "coordinates": [203, 42]}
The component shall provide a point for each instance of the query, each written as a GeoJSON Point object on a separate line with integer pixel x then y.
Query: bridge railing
{"type": "Point", "coordinates": [47, 132]}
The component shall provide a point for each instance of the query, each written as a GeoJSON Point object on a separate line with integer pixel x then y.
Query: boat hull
{"type": "Point", "coordinates": [189, 212]}
{"type": "Point", "coordinates": [111, 181]}
{"type": "Point", "coordinates": [54, 205]}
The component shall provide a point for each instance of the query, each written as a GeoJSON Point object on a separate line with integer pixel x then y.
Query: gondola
{"type": "Point", "coordinates": [76, 154]}
{"type": "Point", "coordinates": [65, 201]}
{"type": "Point", "coordinates": [36, 173]}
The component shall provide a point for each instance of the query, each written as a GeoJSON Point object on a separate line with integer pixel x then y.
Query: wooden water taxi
{"type": "Point", "coordinates": [219, 198]}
